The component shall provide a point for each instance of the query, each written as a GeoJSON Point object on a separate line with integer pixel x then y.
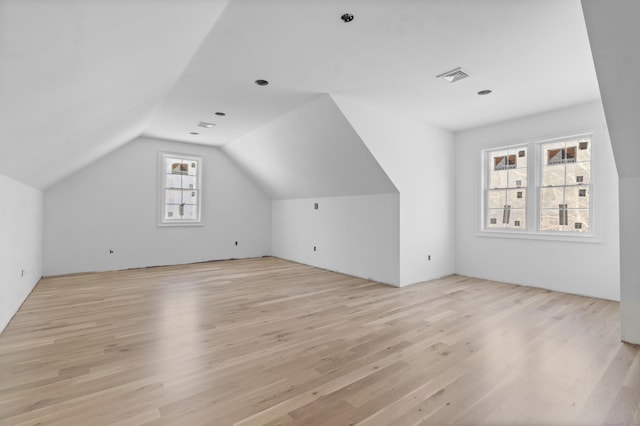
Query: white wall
{"type": "Point", "coordinates": [613, 35]}
{"type": "Point", "coordinates": [20, 245]}
{"type": "Point", "coordinates": [356, 235]}
{"type": "Point", "coordinates": [112, 204]}
{"type": "Point", "coordinates": [590, 269]}
{"type": "Point", "coordinates": [630, 259]}
{"type": "Point", "coordinates": [418, 158]}
{"type": "Point", "coordinates": [310, 152]}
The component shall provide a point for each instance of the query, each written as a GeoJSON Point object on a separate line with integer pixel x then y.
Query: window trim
{"type": "Point", "coordinates": [533, 216]}
{"type": "Point", "coordinates": [485, 189]}
{"type": "Point", "coordinates": [162, 155]}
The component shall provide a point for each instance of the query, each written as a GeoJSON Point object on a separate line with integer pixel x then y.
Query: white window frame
{"type": "Point", "coordinates": [486, 154]}
{"type": "Point", "coordinates": [534, 183]}
{"type": "Point", "coordinates": [162, 156]}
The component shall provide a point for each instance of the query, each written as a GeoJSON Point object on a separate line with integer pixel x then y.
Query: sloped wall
{"type": "Point", "coordinates": [313, 155]}
{"type": "Point", "coordinates": [112, 205]}
{"type": "Point", "coordinates": [613, 36]}
{"type": "Point", "coordinates": [311, 152]}
{"type": "Point", "coordinates": [90, 74]}
{"type": "Point", "coordinates": [20, 245]}
{"type": "Point", "coordinates": [419, 159]}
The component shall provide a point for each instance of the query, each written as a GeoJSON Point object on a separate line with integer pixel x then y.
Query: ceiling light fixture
{"type": "Point", "coordinates": [484, 92]}
{"type": "Point", "coordinates": [262, 82]}
{"type": "Point", "coordinates": [206, 125]}
{"type": "Point", "coordinates": [454, 75]}
{"type": "Point", "coordinates": [347, 17]}
{"type": "Point", "coordinates": [220, 114]}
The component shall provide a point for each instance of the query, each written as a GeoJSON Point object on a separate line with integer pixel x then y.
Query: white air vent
{"type": "Point", "coordinates": [206, 125]}
{"type": "Point", "coordinates": [454, 75]}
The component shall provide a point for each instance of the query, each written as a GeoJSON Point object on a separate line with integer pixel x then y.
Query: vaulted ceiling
{"type": "Point", "coordinates": [79, 78]}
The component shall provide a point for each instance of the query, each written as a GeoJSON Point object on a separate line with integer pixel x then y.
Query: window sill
{"type": "Point", "coordinates": [178, 225]}
{"type": "Point", "coordinates": [543, 236]}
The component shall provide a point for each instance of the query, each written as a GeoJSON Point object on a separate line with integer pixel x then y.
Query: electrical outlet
{"type": "Point", "coordinates": [314, 248]}
{"type": "Point", "coordinates": [236, 243]}
{"type": "Point", "coordinates": [428, 257]}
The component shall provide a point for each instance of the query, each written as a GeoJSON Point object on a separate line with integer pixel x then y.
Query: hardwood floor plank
{"type": "Point", "coordinates": [271, 342]}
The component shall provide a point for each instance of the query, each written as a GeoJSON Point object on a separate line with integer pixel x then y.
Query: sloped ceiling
{"type": "Point", "coordinates": [310, 152]}
{"type": "Point", "coordinates": [614, 33]}
{"type": "Point", "coordinates": [533, 54]}
{"type": "Point", "coordinates": [79, 78]}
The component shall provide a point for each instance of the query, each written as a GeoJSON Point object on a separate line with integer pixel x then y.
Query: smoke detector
{"type": "Point", "coordinates": [454, 75]}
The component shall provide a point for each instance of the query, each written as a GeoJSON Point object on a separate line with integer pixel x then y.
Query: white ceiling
{"type": "Point", "coordinates": [533, 54]}
{"type": "Point", "coordinates": [79, 78]}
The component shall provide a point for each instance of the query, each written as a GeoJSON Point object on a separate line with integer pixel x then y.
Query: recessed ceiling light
{"type": "Point", "coordinates": [206, 125]}
{"type": "Point", "coordinates": [262, 82]}
{"type": "Point", "coordinates": [194, 133]}
{"type": "Point", "coordinates": [347, 17]}
{"type": "Point", "coordinates": [221, 114]}
{"type": "Point", "coordinates": [484, 92]}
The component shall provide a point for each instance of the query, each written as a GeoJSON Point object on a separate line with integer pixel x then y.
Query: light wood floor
{"type": "Point", "coordinates": [266, 341]}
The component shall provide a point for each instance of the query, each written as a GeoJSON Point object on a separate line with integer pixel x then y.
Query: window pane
{"type": "Point", "coordinates": [554, 158]}
{"type": "Point", "coordinates": [171, 212]}
{"type": "Point", "coordinates": [494, 218]}
{"type": "Point", "coordinates": [181, 181]}
{"type": "Point", "coordinates": [506, 218]}
{"type": "Point", "coordinates": [174, 166]}
{"type": "Point", "coordinates": [584, 149]}
{"type": "Point", "coordinates": [507, 168]}
{"type": "Point", "coordinates": [578, 197]}
{"type": "Point", "coordinates": [550, 220]}
{"type": "Point", "coordinates": [190, 212]}
{"type": "Point", "coordinates": [578, 220]}
{"type": "Point", "coordinates": [517, 219]}
{"type": "Point", "coordinates": [553, 175]}
{"type": "Point", "coordinates": [190, 197]}
{"type": "Point", "coordinates": [173, 196]}
{"type": "Point", "coordinates": [193, 168]}
{"type": "Point", "coordinates": [578, 173]}
{"type": "Point", "coordinates": [189, 182]}
{"type": "Point", "coordinates": [551, 197]}
{"type": "Point", "coordinates": [496, 198]}
{"type": "Point", "coordinates": [518, 177]}
{"type": "Point", "coordinates": [498, 179]}
{"type": "Point", "coordinates": [516, 198]}
{"type": "Point", "coordinates": [172, 181]}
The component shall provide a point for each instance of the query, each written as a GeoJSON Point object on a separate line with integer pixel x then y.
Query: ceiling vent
{"type": "Point", "coordinates": [454, 75]}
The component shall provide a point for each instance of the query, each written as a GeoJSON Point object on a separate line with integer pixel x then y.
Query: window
{"type": "Point", "coordinates": [565, 186]}
{"type": "Point", "coordinates": [549, 193]}
{"type": "Point", "coordinates": [181, 189]}
{"type": "Point", "coordinates": [506, 190]}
